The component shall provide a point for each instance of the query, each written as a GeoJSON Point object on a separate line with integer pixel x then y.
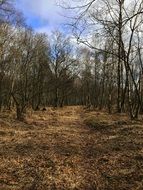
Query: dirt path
{"type": "Point", "coordinates": [55, 150]}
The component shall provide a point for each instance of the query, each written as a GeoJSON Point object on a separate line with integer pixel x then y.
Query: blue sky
{"type": "Point", "coordinates": [42, 15]}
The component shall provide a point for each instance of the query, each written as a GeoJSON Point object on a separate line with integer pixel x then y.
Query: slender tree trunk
{"type": "Point", "coordinates": [119, 59]}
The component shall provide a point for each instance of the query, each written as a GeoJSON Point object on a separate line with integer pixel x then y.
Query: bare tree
{"type": "Point", "coordinates": [114, 20]}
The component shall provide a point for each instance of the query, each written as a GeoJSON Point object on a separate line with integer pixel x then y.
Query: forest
{"type": "Point", "coordinates": [106, 72]}
{"type": "Point", "coordinates": [71, 101]}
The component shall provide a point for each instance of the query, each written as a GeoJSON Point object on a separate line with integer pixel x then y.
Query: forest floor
{"type": "Point", "coordinates": [71, 149]}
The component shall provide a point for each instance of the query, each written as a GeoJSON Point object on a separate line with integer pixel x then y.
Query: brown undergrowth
{"type": "Point", "coordinates": [71, 149]}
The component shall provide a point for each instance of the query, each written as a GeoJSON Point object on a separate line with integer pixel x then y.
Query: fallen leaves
{"type": "Point", "coordinates": [56, 150]}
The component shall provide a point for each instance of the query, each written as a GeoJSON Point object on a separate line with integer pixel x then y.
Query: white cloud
{"type": "Point", "coordinates": [46, 11]}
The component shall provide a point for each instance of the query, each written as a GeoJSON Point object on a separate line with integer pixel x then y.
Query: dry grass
{"type": "Point", "coordinates": [56, 149]}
